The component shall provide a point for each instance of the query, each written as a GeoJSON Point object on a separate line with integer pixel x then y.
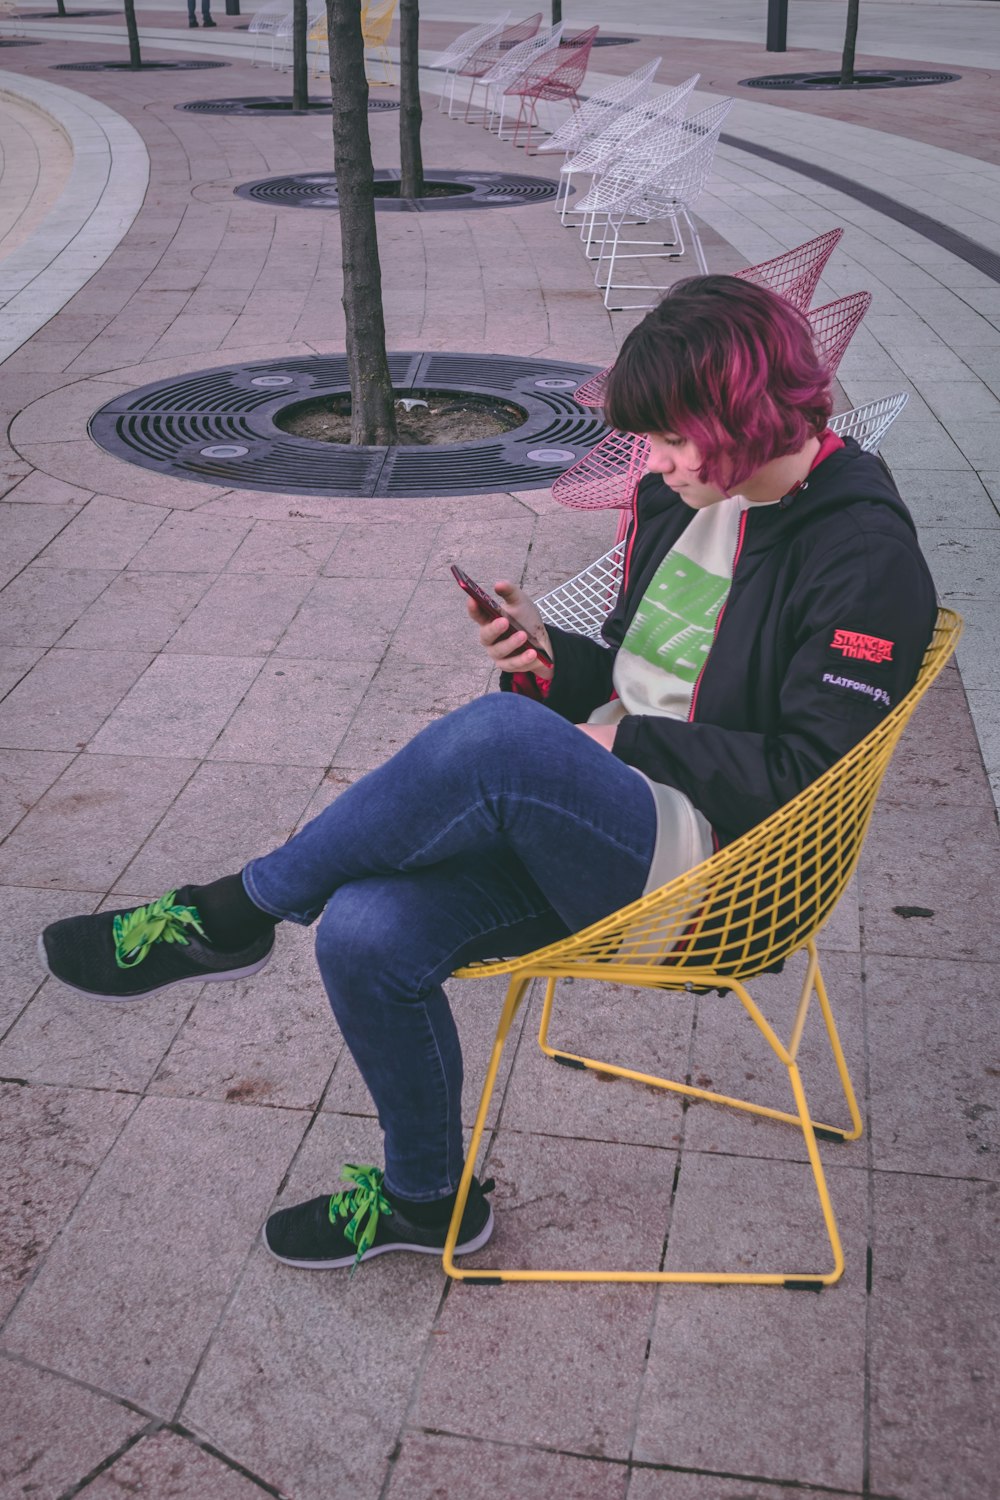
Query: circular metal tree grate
{"type": "Point", "coordinates": [271, 104]}
{"type": "Point", "coordinates": [614, 41]}
{"type": "Point", "coordinates": [124, 67]}
{"type": "Point", "coordinates": [864, 78]}
{"type": "Point", "coordinates": [218, 426]}
{"type": "Point", "coordinates": [469, 190]}
{"type": "Point", "coordinates": [71, 15]}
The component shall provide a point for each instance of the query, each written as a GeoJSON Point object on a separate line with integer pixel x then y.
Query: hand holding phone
{"type": "Point", "coordinates": [495, 610]}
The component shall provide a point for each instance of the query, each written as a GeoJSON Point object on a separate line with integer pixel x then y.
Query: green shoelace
{"type": "Point", "coordinates": [159, 922]}
{"type": "Point", "coordinates": [361, 1204]}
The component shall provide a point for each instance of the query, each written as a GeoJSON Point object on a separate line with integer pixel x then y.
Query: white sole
{"type": "Point", "coordinates": [145, 994]}
{"type": "Point", "coordinates": [343, 1262]}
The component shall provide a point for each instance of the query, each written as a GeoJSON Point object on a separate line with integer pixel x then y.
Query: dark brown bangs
{"type": "Point", "coordinates": [642, 393]}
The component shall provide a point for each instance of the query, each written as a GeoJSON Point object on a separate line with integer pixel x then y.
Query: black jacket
{"type": "Point", "coordinates": [830, 612]}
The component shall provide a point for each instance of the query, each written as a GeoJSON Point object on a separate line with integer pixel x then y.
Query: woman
{"type": "Point", "coordinates": [774, 607]}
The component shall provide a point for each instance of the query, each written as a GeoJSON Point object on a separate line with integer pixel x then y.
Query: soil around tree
{"type": "Point", "coordinates": [431, 189]}
{"type": "Point", "coordinates": [447, 417]}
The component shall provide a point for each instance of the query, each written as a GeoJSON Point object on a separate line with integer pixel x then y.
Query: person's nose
{"type": "Point", "coordinates": [661, 460]}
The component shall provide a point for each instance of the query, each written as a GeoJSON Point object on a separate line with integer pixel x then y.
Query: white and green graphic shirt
{"type": "Point", "coordinates": [671, 633]}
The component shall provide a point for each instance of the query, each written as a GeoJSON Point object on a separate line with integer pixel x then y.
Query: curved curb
{"type": "Point", "coordinates": [106, 188]}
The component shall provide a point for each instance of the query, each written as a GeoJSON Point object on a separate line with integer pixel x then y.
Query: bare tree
{"type": "Point", "coordinates": [850, 38]}
{"type": "Point", "coordinates": [300, 68]}
{"type": "Point", "coordinates": [373, 417]}
{"type": "Point", "coordinates": [134, 55]}
{"type": "Point", "coordinates": [411, 181]}
{"type": "Point", "coordinates": [556, 12]}
{"type": "Point", "coordinates": [60, 8]}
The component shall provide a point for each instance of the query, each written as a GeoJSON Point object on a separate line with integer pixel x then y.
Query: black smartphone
{"type": "Point", "coordinates": [491, 606]}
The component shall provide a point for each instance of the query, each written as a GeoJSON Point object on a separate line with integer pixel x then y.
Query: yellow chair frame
{"type": "Point", "coordinates": [377, 17]}
{"type": "Point", "coordinates": [758, 901]}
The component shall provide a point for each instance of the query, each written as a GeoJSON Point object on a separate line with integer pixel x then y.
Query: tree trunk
{"type": "Point", "coordinates": [60, 8]}
{"type": "Point", "coordinates": [300, 68]}
{"type": "Point", "coordinates": [134, 55]}
{"type": "Point", "coordinates": [556, 12]}
{"type": "Point", "coordinates": [850, 37]}
{"type": "Point", "coordinates": [411, 182]}
{"type": "Point", "coordinates": [373, 417]}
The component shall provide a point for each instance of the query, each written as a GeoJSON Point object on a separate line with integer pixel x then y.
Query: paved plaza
{"type": "Point", "coordinates": [189, 671]}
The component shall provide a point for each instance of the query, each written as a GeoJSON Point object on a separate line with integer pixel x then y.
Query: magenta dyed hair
{"type": "Point", "coordinates": [728, 365]}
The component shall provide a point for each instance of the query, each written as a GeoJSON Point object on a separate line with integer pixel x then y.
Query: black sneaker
{"type": "Point", "coordinates": [208, 21]}
{"type": "Point", "coordinates": [193, 23]}
{"type": "Point", "coordinates": [122, 955]}
{"type": "Point", "coordinates": [359, 1222]}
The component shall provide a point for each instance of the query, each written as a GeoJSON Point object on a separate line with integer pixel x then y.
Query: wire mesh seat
{"type": "Point", "coordinates": [600, 151]}
{"type": "Point", "coordinates": [835, 324]}
{"type": "Point", "coordinates": [664, 192]}
{"type": "Point", "coordinates": [795, 274]}
{"type": "Point", "coordinates": [599, 111]}
{"type": "Point", "coordinates": [377, 17]}
{"type": "Point", "coordinates": [549, 81]}
{"type": "Point", "coordinates": [282, 40]}
{"type": "Point", "coordinates": [495, 47]}
{"type": "Point", "coordinates": [265, 23]}
{"type": "Point", "coordinates": [749, 907]}
{"type": "Point", "coordinates": [511, 66]}
{"type": "Point", "coordinates": [450, 60]}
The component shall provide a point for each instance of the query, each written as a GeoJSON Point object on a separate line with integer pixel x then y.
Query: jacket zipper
{"type": "Point", "coordinates": [722, 611]}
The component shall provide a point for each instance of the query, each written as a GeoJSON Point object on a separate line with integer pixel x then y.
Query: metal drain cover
{"type": "Point", "coordinates": [217, 426]}
{"type": "Point", "coordinates": [614, 41]}
{"type": "Point", "coordinates": [124, 67]}
{"type": "Point", "coordinates": [271, 104]}
{"type": "Point", "coordinates": [475, 190]}
{"type": "Point", "coordinates": [17, 42]}
{"type": "Point", "coordinates": [864, 78]}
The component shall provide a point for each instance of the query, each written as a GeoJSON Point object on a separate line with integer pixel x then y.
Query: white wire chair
{"type": "Point", "coordinates": [599, 152]}
{"type": "Point", "coordinates": [594, 116]}
{"type": "Point", "coordinates": [511, 66]}
{"type": "Point", "coordinates": [450, 60]}
{"type": "Point", "coordinates": [494, 49]}
{"type": "Point", "coordinates": [265, 23]}
{"type": "Point", "coordinates": [664, 192]}
{"type": "Point", "coordinates": [281, 37]}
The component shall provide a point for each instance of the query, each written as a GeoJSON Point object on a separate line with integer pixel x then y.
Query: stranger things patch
{"type": "Point", "coordinates": [855, 647]}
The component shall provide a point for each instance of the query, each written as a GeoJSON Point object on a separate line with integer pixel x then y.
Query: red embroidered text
{"type": "Point", "coordinates": [861, 647]}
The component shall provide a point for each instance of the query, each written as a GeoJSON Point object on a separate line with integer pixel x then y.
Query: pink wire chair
{"type": "Point", "coordinates": [795, 274]}
{"type": "Point", "coordinates": [493, 49]}
{"type": "Point", "coordinates": [606, 477]}
{"type": "Point", "coordinates": [543, 81]}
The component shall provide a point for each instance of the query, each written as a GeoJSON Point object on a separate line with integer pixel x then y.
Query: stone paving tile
{"type": "Point", "coordinates": [646, 1030]}
{"type": "Point", "coordinates": [38, 488]}
{"type": "Point", "coordinates": [959, 501]}
{"type": "Point", "coordinates": [24, 531]}
{"type": "Point", "coordinates": [390, 715]}
{"type": "Point", "coordinates": [53, 1432]}
{"type": "Point", "coordinates": [106, 533]}
{"type": "Point", "coordinates": [53, 1142]}
{"type": "Point", "coordinates": [24, 776]}
{"type": "Point", "coordinates": [296, 712]}
{"type": "Point", "coordinates": [712, 1352]}
{"type": "Point", "coordinates": [346, 617]}
{"type": "Point", "coordinates": [82, 833]}
{"type": "Point", "coordinates": [956, 880]}
{"type": "Point", "coordinates": [933, 1338]}
{"type": "Point", "coordinates": [224, 816]}
{"type": "Point", "coordinates": [566, 1362]}
{"type": "Point", "coordinates": [37, 607]}
{"type": "Point", "coordinates": [171, 1467]}
{"type": "Point", "coordinates": [938, 762]}
{"type": "Point", "coordinates": [16, 662]}
{"type": "Point", "coordinates": [381, 550]}
{"type": "Point", "coordinates": [66, 697]}
{"type": "Point", "coordinates": [431, 1467]}
{"type": "Point", "coordinates": [935, 1099]}
{"type": "Point", "coordinates": [294, 547]}
{"type": "Point", "coordinates": [207, 1172]}
{"type": "Point", "coordinates": [191, 544]}
{"type": "Point", "coordinates": [178, 707]}
{"type": "Point", "coordinates": [266, 1040]}
{"type": "Point", "coordinates": [730, 1056]}
{"type": "Point", "coordinates": [144, 609]}
{"type": "Point", "coordinates": [300, 1407]}
{"type": "Point", "coordinates": [663, 1484]}
{"type": "Point", "coordinates": [241, 615]}
{"type": "Point", "coordinates": [27, 912]}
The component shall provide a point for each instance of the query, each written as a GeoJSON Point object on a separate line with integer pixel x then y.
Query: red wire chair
{"type": "Point", "coordinates": [543, 81]}
{"type": "Point", "coordinates": [795, 274]}
{"type": "Point", "coordinates": [493, 49]}
{"type": "Point", "coordinates": [606, 477]}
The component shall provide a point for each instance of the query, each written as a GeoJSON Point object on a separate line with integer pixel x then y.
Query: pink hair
{"type": "Point", "coordinates": [728, 365]}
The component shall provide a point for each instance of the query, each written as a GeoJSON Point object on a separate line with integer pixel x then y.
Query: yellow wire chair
{"type": "Point", "coordinates": [317, 45]}
{"type": "Point", "coordinates": [754, 903]}
{"type": "Point", "coordinates": [377, 17]}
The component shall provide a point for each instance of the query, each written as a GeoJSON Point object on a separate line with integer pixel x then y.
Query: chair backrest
{"type": "Point", "coordinates": [667, 166]}
{"type": "Point", "coordinates": [869, 424]}
{"type": "Point", "coordinates": [760, 899]}
{"type": "Point", "coordinates": [482, 59]}
{"type": "Point", "coordinates": [795, 274]}
{"type": "Point", "coordinates": [377, 17]}
{"type": "Point", "coordinates": [463, 46]}
{"type": "Point", "coordinates": [835, 324]}
{"type": "Point", "coordinates": [597, 112]}
{"type": "Point", "coordinates": [520, 58]}
{"type": "Point", "coordinates": [268, 17]}
{"type": "Point", "coordinates": [598, 151]}
{"type": "Point", "coordinates": [557, 76]}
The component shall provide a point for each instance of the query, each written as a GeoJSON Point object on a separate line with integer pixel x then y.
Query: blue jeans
{"type": "Point", "coordinates": [205, 9]}
{"type": "Point", "coordinates": [497, 829]}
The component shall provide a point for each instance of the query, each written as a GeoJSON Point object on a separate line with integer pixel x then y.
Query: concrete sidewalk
{"type": "Point", "coordinates": [189, 672]}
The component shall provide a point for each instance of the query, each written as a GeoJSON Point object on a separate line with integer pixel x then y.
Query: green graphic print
{"type": "Point", "coordinates": [673, 627]}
